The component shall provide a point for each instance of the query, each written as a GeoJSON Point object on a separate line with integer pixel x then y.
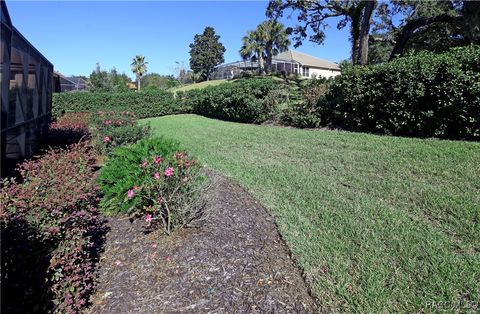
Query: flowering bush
{"type": "Point", "coordinates": [112, 129]}
{"type": "Point", "coordinates": [155, 180]}
{"type": "Point", "coordinates": [49, 222]}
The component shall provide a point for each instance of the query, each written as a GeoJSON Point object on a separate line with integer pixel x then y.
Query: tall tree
{"type": "Point", "coordinates": [253, 49]}
{"type": "Point", "coordinates": [206, 52]}
{"type": "Point", "coordinates": [313, 15]}
{"type": "Point", "coordinates": [139, 67]}
{"type": "Point", "coordinates": [276, 40]}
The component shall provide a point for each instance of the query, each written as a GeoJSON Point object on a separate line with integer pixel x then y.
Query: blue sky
{"type": "Point", "coordinates": [74, 36]}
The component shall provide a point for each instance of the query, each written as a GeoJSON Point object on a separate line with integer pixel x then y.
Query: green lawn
{"type": "Point", "coordinates": [198, 85]}
{"type": "Point", "coordinates": [378, 223]}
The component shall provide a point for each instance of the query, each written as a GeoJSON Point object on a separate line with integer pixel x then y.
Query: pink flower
{"type": "Point", "coordinates": [107, 122]}
{"type": "Point", "coordinates": [144, 163]}
{"type": "Point", "coordinates": [161, 199]}
{"type": "Point", "coordinates": [148, 218]}
{"type": "Point", "coordinates": [156, 175]}
{"type": "Point", "coordinates": [169, 172]}
{"type": "Point", "coordinates": [130, 194]}
{"type": "Point", "coordinates": [106, 139]}
{"type": "Point", "coordinates": [157, 160]}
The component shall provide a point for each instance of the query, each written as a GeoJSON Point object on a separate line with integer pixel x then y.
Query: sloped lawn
{"type": "Point", "coordinates": [378, 224]}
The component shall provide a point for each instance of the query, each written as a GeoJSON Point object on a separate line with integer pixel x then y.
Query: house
{"type": "Point", "coordinates": [290, 61]}
{"type": "Point", "coordinates": [26, 85]}
{"type": "Point", "coordinates": [66, 84]}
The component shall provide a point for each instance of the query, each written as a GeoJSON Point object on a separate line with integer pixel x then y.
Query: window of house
{"type": "Point", "coordinates": [306, 71]}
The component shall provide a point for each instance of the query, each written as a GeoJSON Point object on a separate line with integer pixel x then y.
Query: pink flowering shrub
{"type": "Point", "coordinates": [152, 179]}
{"type": "Point", "coordinates": [49, 225]}
{"type": "Point", "coordinates": [112, 129]}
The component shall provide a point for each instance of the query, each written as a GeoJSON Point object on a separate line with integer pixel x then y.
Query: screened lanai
{"type": "Point", "coordinates": [233, 69]}
{"type": "Point", "coordinates": [26, 92]}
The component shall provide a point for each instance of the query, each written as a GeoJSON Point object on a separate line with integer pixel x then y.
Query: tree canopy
{"type": "Point", "coordinates": [398, 26]}
{"type": "Point", "coordinates": [402, 26]}
{"type": "Point", "coordinates": [104, 81]}
{"type": "Point", "coordinates": [268, 39]}
{"type": "Point", "coordinates": [206, 52]}
{"type": "Point", "coordinates": [313, 16]}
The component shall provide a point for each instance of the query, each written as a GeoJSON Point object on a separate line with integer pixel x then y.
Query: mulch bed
{"type": "Point", "coordinates": [233, 262]}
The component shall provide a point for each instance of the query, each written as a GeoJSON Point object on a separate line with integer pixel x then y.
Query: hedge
{"type": "Point", "coordinates": [421, 95]}
{"type": "Point", "coordinates": [145, 104]}
{"type": "Point", "coordinates": [244, 100]}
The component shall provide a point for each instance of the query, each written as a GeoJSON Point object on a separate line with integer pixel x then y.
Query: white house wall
{"type": "Point", "coordinates": [317, 72]}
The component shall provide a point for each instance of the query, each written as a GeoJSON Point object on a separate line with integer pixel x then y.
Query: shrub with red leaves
{"type": "Point", "coordinates": [68, 129]}
{"type": "Point", "coordinates": [50, 225]}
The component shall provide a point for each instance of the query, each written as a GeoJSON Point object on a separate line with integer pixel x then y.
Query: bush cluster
{"type": "Point", "coordinates": [153, 179]}
{"type": "Point", "coordinates": [68, 129]}
{"type": "Point", "coordinates": [422, 95]}
{"type": "Point", "coordinates": [49, 223]}
{"type": "Point", "coordinates": [145, 104]}
{"type": "Point", "coordinates": [111, 129]}
{"type": "Point", "coordinates": [245, 100]}
{"type": "Point", "coordinates": [306, 112]}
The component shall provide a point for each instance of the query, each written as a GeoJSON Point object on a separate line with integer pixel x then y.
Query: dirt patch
{"type": "Point", "coordinates": [234, 262]}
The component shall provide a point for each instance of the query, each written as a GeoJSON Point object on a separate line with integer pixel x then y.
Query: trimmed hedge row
{"type": "Point", "coordinates": [245, 100]}
{"type": "Point", "coordinates": [422, 95]}
{"type": "Point", "coordinates": [145, 104]}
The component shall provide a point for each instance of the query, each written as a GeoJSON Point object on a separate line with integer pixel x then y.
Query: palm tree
{"type": "Point", "coordinates": [253, 49]}
{"type": "Point", "coordinates": [275, 37]}
{"type": "Point", "coordinates": [139, 67]}
{"type": "Point", "coordinates": [269, 39]}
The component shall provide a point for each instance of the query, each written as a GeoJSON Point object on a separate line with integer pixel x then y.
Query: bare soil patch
{"type": "Point", "coordinates": [233, 262]}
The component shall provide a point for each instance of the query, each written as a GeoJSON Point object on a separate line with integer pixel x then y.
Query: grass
{"type": "Point", "coordinates": [199, 85]}
{"type": "Point", "coordinates": [377, 223]}
{"type": "Point", "coordinates": [206, 83]}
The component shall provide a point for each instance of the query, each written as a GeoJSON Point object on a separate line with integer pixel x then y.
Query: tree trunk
{"type": "Point", "coordinates": [268, 51]}
{"type": "Point", "coordinates": [355, 15]}
{"type": "Point", "coordinates": [261, 64]}
{"type": "Point", "coordinates": [365, 31]}
{"type": "Point", "coordinates": [138, 83]}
